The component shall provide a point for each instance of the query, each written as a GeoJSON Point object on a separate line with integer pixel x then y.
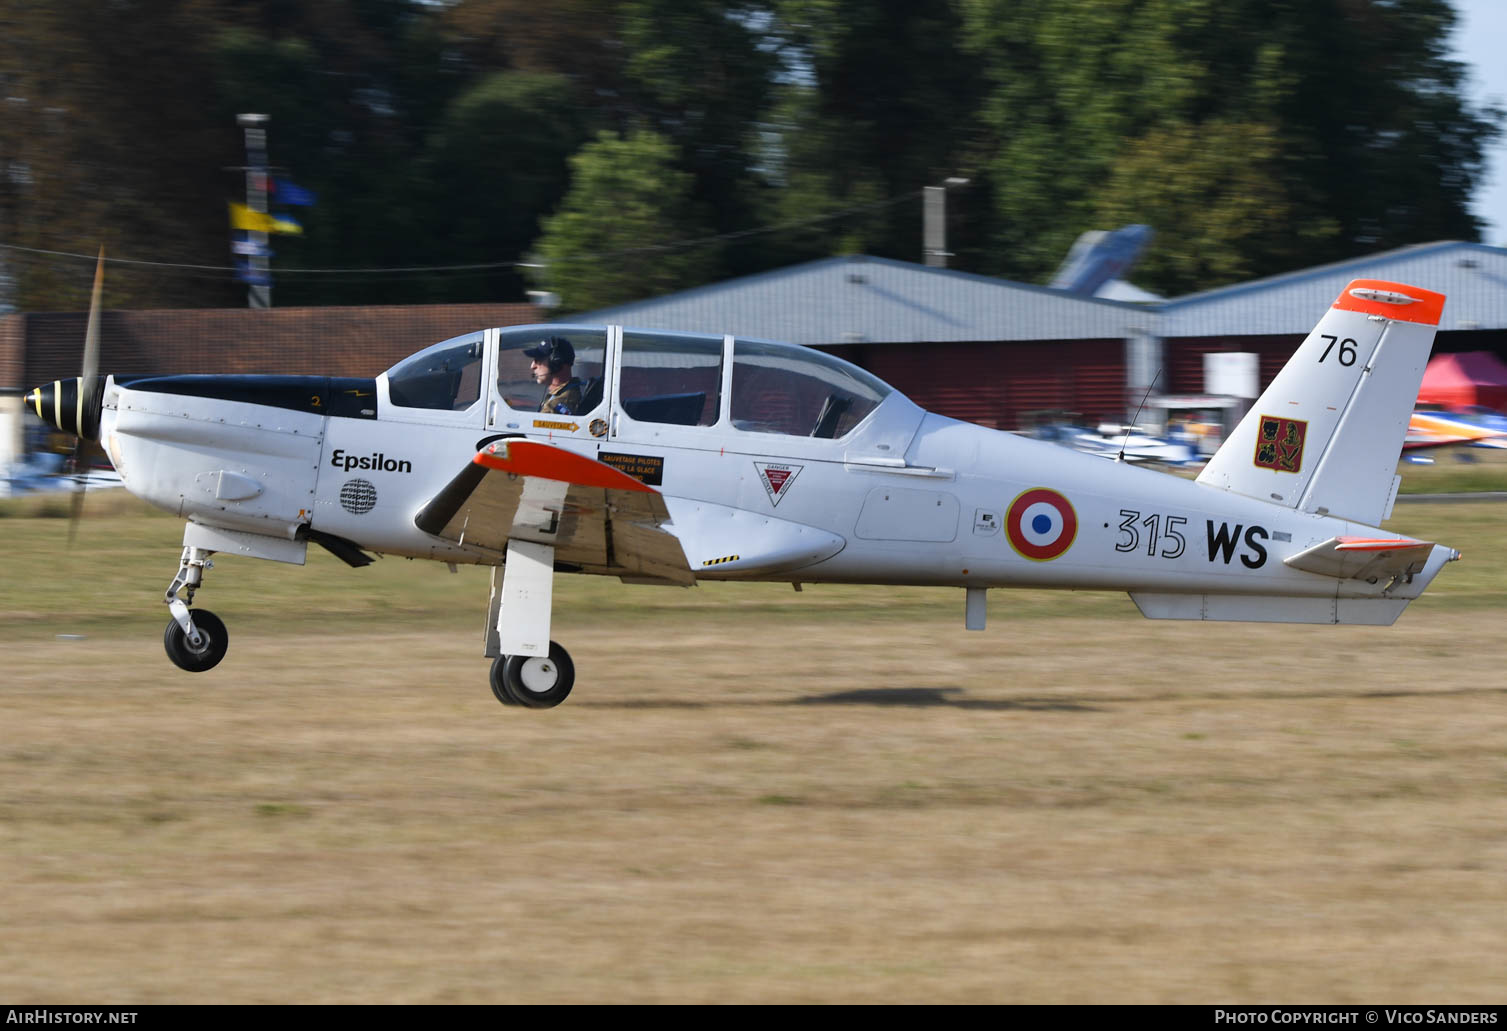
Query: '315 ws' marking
{"type": "Point", "coordinates": [1162, 537]}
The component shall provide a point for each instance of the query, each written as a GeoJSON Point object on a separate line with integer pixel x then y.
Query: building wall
{"type": "Point", "coordinates": [349, 341]}
{"type": "Point", "coordinates": [1185, 364]}
{"type": "Point", "coordinates": [12, 353]}
{"type": "Point", "coordinates": [1184, 355]}
{"type": "Point", "coordinates": [1002, 384]}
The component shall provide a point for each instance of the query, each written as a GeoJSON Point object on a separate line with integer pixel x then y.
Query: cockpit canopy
{"type": "Point", "coordinates": [661, 377]}
{"type": "Point", "coordinates": [445, 376]}
{"type": "Point", "coordinates": [780, 388]}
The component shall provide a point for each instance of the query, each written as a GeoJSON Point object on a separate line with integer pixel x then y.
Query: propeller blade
{"type": "Point", "coordinates": [75, 510]}
{"type": "Point", "coordinates": [87, 387]}
{"type": "Point", "coordinates": [91, 334]}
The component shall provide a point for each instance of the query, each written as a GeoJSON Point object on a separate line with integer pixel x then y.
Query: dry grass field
{"type": "Point", "coordinates": [753, 795]}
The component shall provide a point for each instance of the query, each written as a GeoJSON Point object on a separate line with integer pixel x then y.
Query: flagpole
{"type": "Point", "coordinates": [259, 293]}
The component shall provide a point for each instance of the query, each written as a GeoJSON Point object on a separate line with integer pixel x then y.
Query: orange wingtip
{"type": "Point", "coordinates": [530, 458]}
{"type": "Point", "coordinates": [1379, 544]}
{"type": "Point", "coordinates": [1392, 301]}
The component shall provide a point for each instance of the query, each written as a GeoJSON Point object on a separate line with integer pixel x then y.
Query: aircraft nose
{"type": "Point", "coordinates": [72, 405]}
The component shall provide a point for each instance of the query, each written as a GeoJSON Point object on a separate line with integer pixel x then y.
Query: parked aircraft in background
{"type": "Point", "coordinates": [1119, 443]}
{"type": "Point", "coordinates": [673, 458]}
{"type": "Point", "coordinates": [45, 471]}
{"type": "Point", "coordinates": [1097, 257]}
{"type": "Point", "coordinates": [1432, 427]}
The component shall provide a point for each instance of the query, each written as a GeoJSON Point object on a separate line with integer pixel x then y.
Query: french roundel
{"type": "Point", "coordinates": [1041, 524]}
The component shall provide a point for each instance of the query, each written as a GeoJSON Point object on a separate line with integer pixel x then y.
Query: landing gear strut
{"type": "Point", "coordinates": [194, 641]}
{"type": "Point", "coordinates": [534, 681]}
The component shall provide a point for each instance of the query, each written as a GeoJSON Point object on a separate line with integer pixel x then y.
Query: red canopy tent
{"type": "Point", "coordinates": [1469, 378]}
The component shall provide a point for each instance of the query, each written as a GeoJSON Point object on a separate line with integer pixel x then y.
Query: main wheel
{"type": "Point", "coordinates": [208, 654]}
{"type": "Point", "coordinates": [499, 688]}
{"type": "Point", "coordinates": [535, 681]}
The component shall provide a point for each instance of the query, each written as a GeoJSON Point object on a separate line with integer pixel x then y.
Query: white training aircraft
{"type": "Point", "coordinates": [671, 458]}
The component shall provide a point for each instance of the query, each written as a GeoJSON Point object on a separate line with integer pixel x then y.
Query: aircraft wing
{"type": "Point", "coordinates": [597, 518]}
{"type": "Point", "coordinates": [1364, 558]}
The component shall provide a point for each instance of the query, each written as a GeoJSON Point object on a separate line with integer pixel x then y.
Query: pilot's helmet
{"type": "Point", "coordinates": [554, 350]}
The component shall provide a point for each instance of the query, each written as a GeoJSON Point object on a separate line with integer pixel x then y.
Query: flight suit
{"type": "Point", "coordinates": [564, 400]}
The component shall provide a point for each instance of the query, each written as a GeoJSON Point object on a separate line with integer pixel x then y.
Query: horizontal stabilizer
{"type": "Point", "coordinates": [1364, 558]}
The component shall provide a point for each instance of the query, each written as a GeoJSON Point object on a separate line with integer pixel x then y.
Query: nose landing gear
{"type": "Point", "coordinates": [195, 641]}
{"type": "Point", "coordinates": [196, 658]}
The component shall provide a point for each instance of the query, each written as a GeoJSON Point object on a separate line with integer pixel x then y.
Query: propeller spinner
{"type": "Point", "coordinates": [73, 405]}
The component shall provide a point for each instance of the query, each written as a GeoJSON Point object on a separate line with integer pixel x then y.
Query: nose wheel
{"type": "Point", "coordinates": [200, 656]}
{"type": "Point", "coordinates": [534, 681]}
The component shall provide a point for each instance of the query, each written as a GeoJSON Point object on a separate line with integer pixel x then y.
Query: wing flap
{"type": "Point", "coordinates": [594, 516]}
{"type": "Point", "coordinates": [1364, 558]}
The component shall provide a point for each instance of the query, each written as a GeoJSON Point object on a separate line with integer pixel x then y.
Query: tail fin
{"type": "Point", "coordinates": [1326, 435]}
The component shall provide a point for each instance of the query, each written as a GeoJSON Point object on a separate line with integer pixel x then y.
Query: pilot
{"type": "Point", "coordinates": [550, 362]}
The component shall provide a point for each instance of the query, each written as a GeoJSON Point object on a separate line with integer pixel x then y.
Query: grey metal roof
{"type": "Point", "coordinates": [1472, 276]}
{"type": "Point", "coordinates": [859, 299]}
{"type": "Point", "coordinates": [863, 299]}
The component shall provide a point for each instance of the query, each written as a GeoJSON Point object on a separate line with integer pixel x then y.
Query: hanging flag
{"type": "Point", "coordinates": [288, 192]}
{"type": "Point", "coordinates": [242, 217]}
{"type": "Point", "coordinates": [284, 224]}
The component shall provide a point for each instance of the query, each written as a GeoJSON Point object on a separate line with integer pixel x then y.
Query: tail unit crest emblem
{"type": "Point", "coordinates": [1279, 444]}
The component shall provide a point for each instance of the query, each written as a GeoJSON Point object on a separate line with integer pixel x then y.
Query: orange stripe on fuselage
{"type": "Point", "coordinates": [1426, 308]}
{"type": "Point", "coordinates": [527, 458]}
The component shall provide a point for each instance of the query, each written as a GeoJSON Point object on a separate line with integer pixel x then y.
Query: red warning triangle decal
{"type": "Point", "coordinates": [777, 478]}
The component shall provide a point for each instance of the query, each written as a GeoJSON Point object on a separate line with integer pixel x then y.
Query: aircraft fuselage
{"type": "Point", "coordinates": [947, 503]}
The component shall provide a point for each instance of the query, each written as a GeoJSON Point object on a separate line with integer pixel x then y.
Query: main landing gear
{"type": "Point", "coordinates": [534, 681]}
{"type": "Point", "coordinates": [195, 641]}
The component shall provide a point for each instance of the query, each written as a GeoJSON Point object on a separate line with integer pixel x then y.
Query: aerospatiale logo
{"type": "Point", "coordinates": [777, 478]}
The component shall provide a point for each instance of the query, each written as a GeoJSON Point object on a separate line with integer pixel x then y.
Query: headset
{"type": "Point", "coordinates": [556, 351]}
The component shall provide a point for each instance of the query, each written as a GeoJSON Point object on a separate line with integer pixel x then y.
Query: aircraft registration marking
{"type": "Point", "coordinates": [1164, 537]}
{"type": "Point", "coordinates": [1041, 524]}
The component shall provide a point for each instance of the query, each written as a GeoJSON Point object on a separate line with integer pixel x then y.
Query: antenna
{"type": "Point", "coordinates": [1131, 428]}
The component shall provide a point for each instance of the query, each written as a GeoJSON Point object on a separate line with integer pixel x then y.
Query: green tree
{"type": "Point", "coordinates": [694, 72]}
{"type": "Point", "coordinates": [495, 165]}
{"type": "Point", "coordinates": [103, 142]}
{"type": "Point", "coordinates": [1254, 136]}
{"type": "Point", "coordinates": [879, 99]}
{"type": "Point", "coordinates": [616, 236]}
{"type": "Point", "coordinates": [698, 74]}
{"type": "Point", "coordinates": [122, 130]}
{"type": "Point", "coordinates": [352, 88]}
